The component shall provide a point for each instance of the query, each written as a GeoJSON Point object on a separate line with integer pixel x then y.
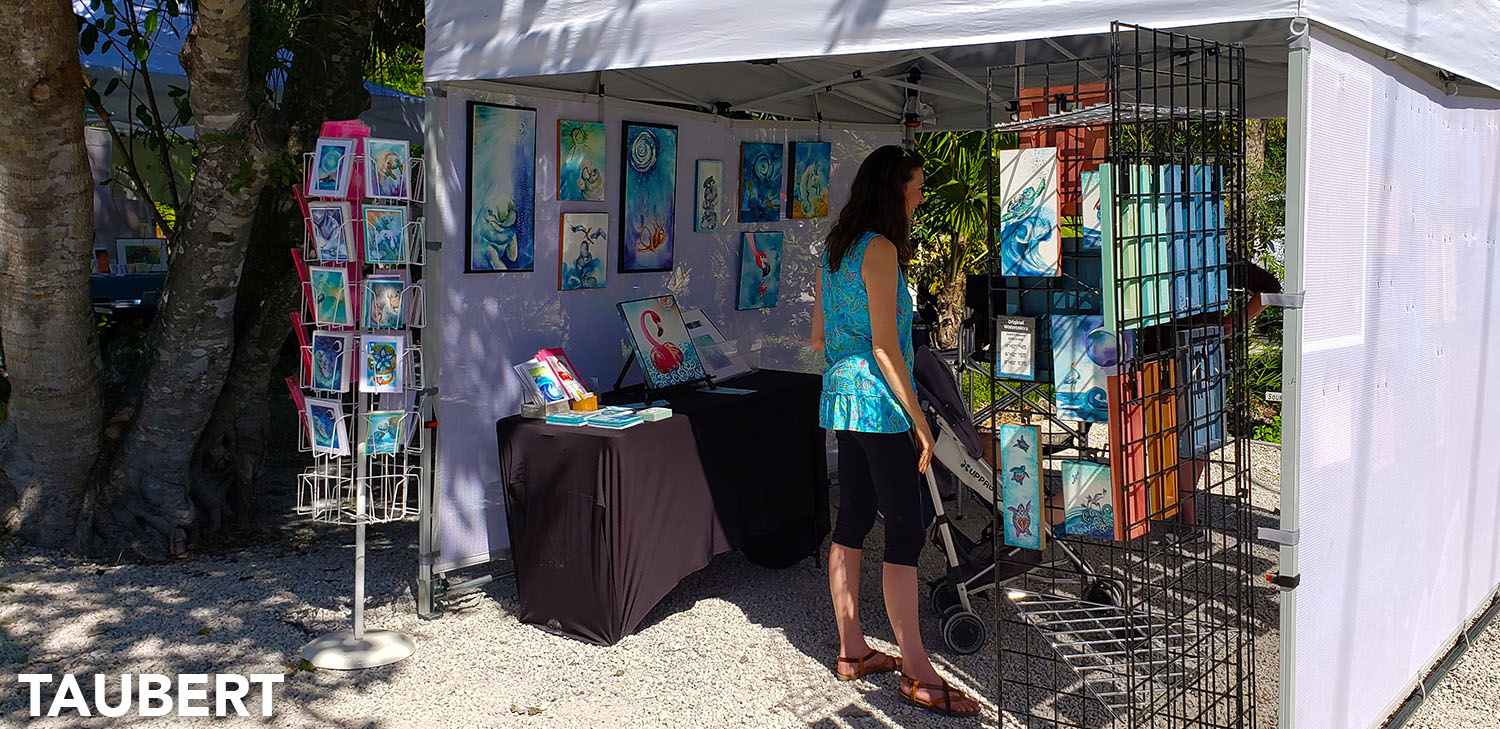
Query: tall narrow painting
{"type": "Point", "coordinates": [647, 197]}
{"type": "Point", "coordinates": [1090, 227]}
{"type": "Point", "coordinates": [502, 188]}
{"type": "Point", "coordinates": [1021, 486]}
{"type": "Point", "coordinates": [812, 164]}
{"type": "Point", "coordinates": [580, 160]}
{"type": "Point", "coordinates": [760, 270]}
{"type": "Point", "coordinates": [760, 182]}
{"type": "Point", "coordinates": [1030, 238]}
{"type": "Point", "coordinates": [708, 196]}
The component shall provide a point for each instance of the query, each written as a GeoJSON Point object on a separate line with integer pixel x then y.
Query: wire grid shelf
{"type": "Point", "coordinates": [1105, 113]}
{"type": "Point", "coordinates": [329, 492]}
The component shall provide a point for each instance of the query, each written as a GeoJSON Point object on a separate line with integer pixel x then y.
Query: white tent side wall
{"type": "Point", "coordinates": [487, 322]}
{"type": "Point", "coordinates": [1397, 449]}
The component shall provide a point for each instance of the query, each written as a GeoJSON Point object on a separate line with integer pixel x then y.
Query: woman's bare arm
{"type": "Point", "coordinates": [817, 323]}
{"type": "Point", "coordinates": [881, 276]}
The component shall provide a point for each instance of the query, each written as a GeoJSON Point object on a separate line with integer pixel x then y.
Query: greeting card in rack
{"type": "Point", "coordinates": [380, 362]}
{"type": "Point", "coordinates": [329, 223]}
{"type": "Point", "coordinates": [385, 234]}
{"type": "Point", "coordinates": [387, 168]}
{"type": "Point", "coordinates": [332, 165]}
{"type": "Point", "coordinates": [332, 356]}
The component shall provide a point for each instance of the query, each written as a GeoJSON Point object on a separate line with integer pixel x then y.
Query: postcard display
{"type": "Point", "coordinates": [360, 328]}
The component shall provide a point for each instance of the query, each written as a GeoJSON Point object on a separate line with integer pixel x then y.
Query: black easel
{"type": "Point", "coordinates": [652, 393]}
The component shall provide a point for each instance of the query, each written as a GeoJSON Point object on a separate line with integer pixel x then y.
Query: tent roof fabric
{"type": "Point", "coordinates": [769, 55]}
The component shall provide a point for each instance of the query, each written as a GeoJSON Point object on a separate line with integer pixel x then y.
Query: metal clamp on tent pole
{"type": "Point", "coordinates": [1284, 537]}
{"type": "Point", "coordinates": [1285, 583]}
{"type": "Point", "coordinates": [1284, 301]}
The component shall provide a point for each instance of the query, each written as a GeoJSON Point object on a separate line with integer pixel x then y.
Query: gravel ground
{"type": "Point", "coordinates": [734, 645]}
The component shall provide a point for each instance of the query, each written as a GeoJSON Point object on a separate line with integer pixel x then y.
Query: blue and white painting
{"type": "Point", "coordinates": [663, 347]}
{"type": "Point", "coordinates": [648, 197]}
{"type": "Point", "coordinates": [331, 359]}
{"type": "Point", "coordinates": [502, 188]}
{"type": "Point", "coordinates": [1084, 353]}
{"type": "Point", "coordinates": [708, 195]}
{"type": "Point", "coordinates": [1200, 414]}
{"type": "Point", "coordinates": [385, 234]}
{"type": "Point", "coordinates": [1030, 239]}
{"type": "Point", "coordinates": [329, 222]}
{"type": "Point", "coordinates": [387, 165]}
{"type": "Point", "coordinates": [1021, 486]}
{"type": "Point", "coordinates": [383, 432]}
{"type": "Point", "coordinates": [584, 248]}
{"type": "Point", "coordinates": [1088, 505]}
{"type": "Point", "coordinates": [1091, 226]}
{"type": "Point", "coordinates": [382, 306]}
{"type": "Point", "coordinates": [760, 270]}
{"type": "Point", "coordinates": [580, 160]}
{"type": "Point", "coordinates": [812, 165]}
{"type": "Point", "coordinates": [325, 427]}
{"type": "Point", "coordinates": [332, 164]}
{"type": "Point", "coordinates": [760, 182]}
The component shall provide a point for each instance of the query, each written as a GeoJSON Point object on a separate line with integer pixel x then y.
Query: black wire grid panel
{"type": "Point", "coordinates": [1139, 360]}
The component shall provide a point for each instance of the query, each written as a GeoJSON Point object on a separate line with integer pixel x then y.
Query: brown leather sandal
{"type": "Point", "coordinates": [908, 691]}
{"type": "Point", "coordinates": [887, 664]}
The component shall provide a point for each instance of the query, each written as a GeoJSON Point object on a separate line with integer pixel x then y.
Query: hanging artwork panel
{"type": "Point", "coordinates": [1084, 353]}
{"type": "Point", "coordinates": [143, 255]}
{"type": "Point", "coordinates": [580, 160]}
{"type": "Point", "coordinates": [332, 356]}
{"type": "Point", "coordinates": [1090, 230]}
{"type": "Point", "coordinates": [330, 296]}
{"type": "Point", "coordinates": [500, 217]}
{"type": "Point", "coordinates": [662, 345]}
{"type": "Point", "coordinates": [584, 242]}
{"type": "Point", "coordinates": [385, 234]}
{"type": "Point", "coordinates": [326, 429]}
{"type": "Point", "coordinates": [387, 168]}
{"type": "Point", "coordinates": [329, 224]}
{"type": "Point", "coordinates": [648, 197]}
{"type": "Point", "coordinates": [1201, 405]}
{"type": "Point", "coordinates": [708, 206]}
{"type": "Point", "coordinates": [812, 165]}
{"type": "Point", "coordinates": [332, 165]}
{"type": "Point", "coordinates": [380, 358]}
{"type": "Point", "coordinates": [760, 270]}
{"type": "Point", "coordinates": [1030, 239]}
{"type": "Point", "coordinates": [1088, 506]}
{"type": "Point", "coordinates": [1021, 491]}
{"type": "Point", "coordinates": [760, 182]}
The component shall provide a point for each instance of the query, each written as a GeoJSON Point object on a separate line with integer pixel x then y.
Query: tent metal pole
{"type": "Point", "coordinates": [850, 77]}
{"type": "Point", "coordinates": [954, 72]}
{"type": "Point", "coordinates": [1291, 357]}
{"type": "Point", "coordinates": [665, 89]}
{"type": "Point", "coordinates": [872, 106]}
{"type": "Point", "coordinates": [925, 89]}
{"type": "Point", "coordinates": [434, 124]}
{"type": "Point", "coordinates": [1074, 57]}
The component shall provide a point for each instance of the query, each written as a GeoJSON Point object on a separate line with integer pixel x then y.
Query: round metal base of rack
{"type": "Point", "coordinates": [341, 651]}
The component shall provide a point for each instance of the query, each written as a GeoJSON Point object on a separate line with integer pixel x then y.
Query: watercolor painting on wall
{"type": "Point", "coordinates": [663, 348]}
{"type": "Point", "coordinates": [1021, 486]}
{"type": "Point", "coordinates": [760, 270]}
{"type": "Point", "coordinates": [331, 360]}
{"type": "Point", "coordinates": [708, 204]}
{"type": "Point", "coordinates": [1087, 500]}
{"type": "Point", "coordinates": [648, 197]}
{"type": "Point", "coordinates": [330, 295]}
{"type": "Point", "coordinates": [760, 182]}
{"type": "Point", "coordinates": [502, 188]}
{"type": "Point", "coordinates": [812, 165]}
{"type": "Point", "coordinates": [387, 168]}
{"type": "Point", "coordinates": [580, 161]}
{"type": "Point", "coordinates": [329, 223]}
{"type": "Point", "coordinates": [1030, 240]}
{"type": "Point", "coordinates": [1084, 353]}
{"type": "Point", "coordinates": [332, 163]}
{"type": "Point", "coordinates": [584, 248]}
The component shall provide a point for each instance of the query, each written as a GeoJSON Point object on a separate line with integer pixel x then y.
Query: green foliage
{"type": "Point", "coordinates": [1269, 432]}
{"type": "Point", "coordinates": [948, 231]}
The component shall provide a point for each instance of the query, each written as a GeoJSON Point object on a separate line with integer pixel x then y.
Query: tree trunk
{"type": "Point", "coordinates": [49, 441]}
{"type": "Point", "coordinates": [146, 503]}
{"type": "Point", "coordinates": [951, 301]}
{"type": "Point", "coordinates": [1255, 146]}
{"type": "Point", "coordinates": [326, 81]}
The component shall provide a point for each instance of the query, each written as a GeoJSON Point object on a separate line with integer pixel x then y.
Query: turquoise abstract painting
{"type": "Point", "coordinates": [1030, 238]}
{"type": "Point", "coordinates": [648, 198]}
{"type": "Point", "coordinates": [502, 188]}
{"type": "Point", "coordinates": [1021, 486]}
{"type": "Point", "coordinates": [580, 160]}
{"type": "Point", "coordinates": [1088, 508]}
{"type": "Point", "coordinates": [812, 164]}
{"type": "Point", "coordinates": [760, 182]}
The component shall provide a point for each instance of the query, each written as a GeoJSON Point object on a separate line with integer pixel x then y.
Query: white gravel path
{"type": "Point", "coordinates": [734, 645]}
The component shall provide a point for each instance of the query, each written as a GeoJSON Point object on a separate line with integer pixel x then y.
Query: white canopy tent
{"type": "Point", "coordinates": [1374, 90]}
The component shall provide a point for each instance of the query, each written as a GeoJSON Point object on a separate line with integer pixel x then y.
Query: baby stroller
{"type": "Point", "coordinates": [974, 570]}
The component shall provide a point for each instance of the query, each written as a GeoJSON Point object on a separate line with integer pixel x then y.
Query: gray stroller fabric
{"type": "Point", "coordinates": [936, 389]}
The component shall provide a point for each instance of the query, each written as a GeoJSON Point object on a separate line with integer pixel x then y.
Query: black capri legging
{"type": "Point", "coordinates": [880, 470]}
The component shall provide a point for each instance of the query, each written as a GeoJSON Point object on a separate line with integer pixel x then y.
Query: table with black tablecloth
{"type": "Point", "coordinates": [604, 523]}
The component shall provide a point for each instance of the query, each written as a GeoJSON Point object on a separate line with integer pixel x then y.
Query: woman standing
{"type": "Point", "coordinates": [862, 322]}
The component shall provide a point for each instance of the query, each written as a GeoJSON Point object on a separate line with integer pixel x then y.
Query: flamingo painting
{"type": "Point", "coordinates": [661, 342]}
{"type": "Point", "coordinates": [760, 270]}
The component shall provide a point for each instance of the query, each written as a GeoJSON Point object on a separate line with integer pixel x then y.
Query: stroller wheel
{"type": "Point", "coordinates": [944, 596]}
{"type": "Point", "coordinates": [1105, 592]}
{"type": "Point", "coordinates": [963, 631]}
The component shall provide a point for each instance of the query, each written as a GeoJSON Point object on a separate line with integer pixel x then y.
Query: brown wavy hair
{"type": "Point", "coordinates": [876, 202]}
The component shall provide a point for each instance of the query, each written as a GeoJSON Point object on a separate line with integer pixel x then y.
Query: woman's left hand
{"type": "Point", "coordinates": [926, 443]}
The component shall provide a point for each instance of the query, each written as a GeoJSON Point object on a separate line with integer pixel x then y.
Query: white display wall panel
{"type": "Point", "coordinates": [487, 322]}
{"type": "Point", "coordinates": [1398, 477]}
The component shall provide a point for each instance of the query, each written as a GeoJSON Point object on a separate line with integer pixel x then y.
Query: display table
{"type": "Point", "coordinates": [603, 524]}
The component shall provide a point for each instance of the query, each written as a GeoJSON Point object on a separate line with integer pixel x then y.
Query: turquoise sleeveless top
{"type": "Point", "coordinates": [855, 394]}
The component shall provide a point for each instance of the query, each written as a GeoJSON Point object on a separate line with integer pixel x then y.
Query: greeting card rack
{"type": "Point", "coordinates": [364, 408]}
{"type": "Point", "coordinates": [1154, 625]}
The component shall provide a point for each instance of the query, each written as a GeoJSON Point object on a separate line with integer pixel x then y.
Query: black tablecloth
{"type": "Point", "coordinates": [604, 523]}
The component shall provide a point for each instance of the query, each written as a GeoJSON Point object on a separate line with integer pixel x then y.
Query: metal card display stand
{"type": "Point", "coordinates": [383, 458]}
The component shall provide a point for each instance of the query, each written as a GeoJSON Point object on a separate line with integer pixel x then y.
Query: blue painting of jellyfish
{"type": "Point", "coordinates": [760, 270]}
{"type": "Point", "coordinates": [1021, 486]}
{"type": "Point", "coordinates": [383, 432]}
{"type": "Point", "coordinates": [1030, 240]}
{"type": "Point", "coordinates": [580, 161]}
{"type": "Point", "coordinates": [502, 188]}
{"type": "Point", "coordinates": [760, 182]}
{"type": "Point", "coordinates": [1088, 507]}
{"type": "Point", "coordinates": [1091, 227]}
{"type": "Point", "coordinates": [648, 197]}
{"type": "Point", "coordinates": [812, 164]}
{"type": "Point", "coordinates": [1084, 353]}
{"type": "Point", "coordinates": [585, 244]}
